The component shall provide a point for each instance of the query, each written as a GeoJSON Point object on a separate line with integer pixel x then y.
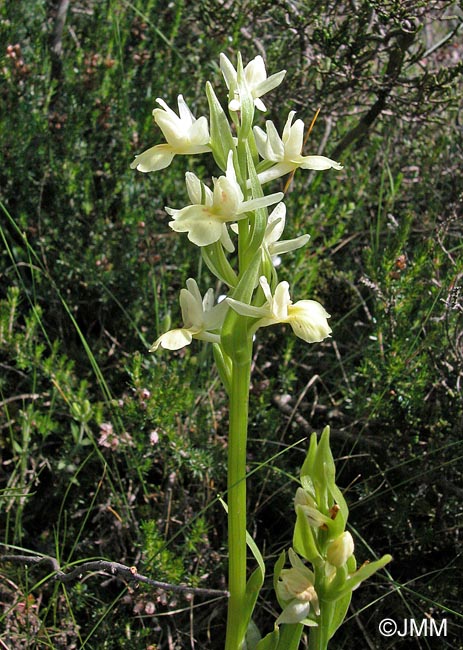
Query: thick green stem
{"type": "Point", "coordinates": [239, 399]}
{"type": "Point", "coordinates": [318, 636]}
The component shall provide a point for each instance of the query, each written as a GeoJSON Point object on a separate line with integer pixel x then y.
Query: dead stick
{"type": "Point", "coordinates": [114, 569]}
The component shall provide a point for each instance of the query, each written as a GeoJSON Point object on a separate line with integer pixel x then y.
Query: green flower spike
{"type": "Point", "coordinates": [320, 537]}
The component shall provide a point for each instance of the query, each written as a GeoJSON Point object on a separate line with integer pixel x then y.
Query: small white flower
{"type": "Point", "coordinates": [201, 319]}
{"type": "Point", "coordinates": [285, 152]}
{"type": "Point", "coordinates": [295, 587]}
{"type": "Point", "coordinates": [184, 135]}
{"type": "Point", "coordinates": [154, 437]}
{"type": "Point", "coordinates": [205, 222]}
{"type": "Point", "coordinates": [307, 318]}
{"type": "Point", "coordinates": [255, 76]}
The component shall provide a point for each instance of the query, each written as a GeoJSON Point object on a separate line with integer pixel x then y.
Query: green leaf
{"type": "Point", "coordinates": [255, 582]}
{"type": "Point", "coordinates": [269, 642]}
{"type": "Point", "coordinates": [218, 263]}
{"type": "Point", "coordinates": [365, 571]}
{"type": "Point", "coordinates": [221, 138]}
{"type": "Point", "coordinates": [321, 467]}
{"type": "Point", "coordinates": [253, 636]}
{"type": "Point", "coordinates": [223, 365]}
{"type": "Point", "coordinates": [253, 587]}
{"type": "Point", "coordinates": [308, 465]}
{"type": "Point", "coordinates": [251, 544]}
{"type": "Point", "coordinates": [339, 613]}
{"type": "Point", "coordinates": [256, 553]}
{"type": "Point", "coordinates": [325, 456]}
{"type": "Point", "coordinates": [290, 636]}
{"type": "Point", "coordinates": [279, 564]}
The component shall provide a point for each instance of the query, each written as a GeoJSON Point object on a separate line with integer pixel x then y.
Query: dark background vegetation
{"type": "Point", "coordinates": [107, 451]}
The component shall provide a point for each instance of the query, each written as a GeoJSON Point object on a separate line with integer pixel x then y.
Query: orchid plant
{"type": "Point", "coordinates": [240, 243]}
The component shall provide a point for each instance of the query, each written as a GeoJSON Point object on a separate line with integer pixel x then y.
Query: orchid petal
{"type": "Point", "coordinates": [173, 340]}
{"type": "Point", "coordinates": [308, 320]}
{"type": "Point", "coordinates": [288, 245]}
{"type": "Point", "coordinates": [243, 309]}
{"type": "Point", "coordinates": [202, 226]}
{"type": "Point", "coordinates": [295, 612]}
{"type": "Point", "coordinates": [154, 159]}
{"type": "Point", "coordinates": [320, 163]}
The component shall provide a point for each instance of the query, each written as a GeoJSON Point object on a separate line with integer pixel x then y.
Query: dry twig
{"type": "Point", "coordinates": [115, 569]}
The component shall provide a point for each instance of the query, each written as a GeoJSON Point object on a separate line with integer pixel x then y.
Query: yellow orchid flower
{"type": "Point", "coordinates": [285, 152]}
{"type": "Point", "coordinates": [255, 76]}
{"type": "Point", "coordinates": [206, 222]}
{"type": "Point", "coordinates": [307, 318]}
{"type": "Point", "coordinates": [184, 134]}
{"type": "Point", "coordinates": [201, 319]}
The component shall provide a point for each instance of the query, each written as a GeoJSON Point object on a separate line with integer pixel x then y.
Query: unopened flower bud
{"type": "Point", "coordinates": [304, 498]}
{"type": "Point", "coordinates": [340, 550]}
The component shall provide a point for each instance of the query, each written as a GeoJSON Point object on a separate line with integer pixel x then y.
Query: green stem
{"type": "Point", "coordinates": [318, 636]}
{"type": "Point", "coordinates": [238, 426]}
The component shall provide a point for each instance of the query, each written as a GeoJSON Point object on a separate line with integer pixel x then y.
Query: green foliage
{"type": "Point", "coordinates": [167, 563]}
